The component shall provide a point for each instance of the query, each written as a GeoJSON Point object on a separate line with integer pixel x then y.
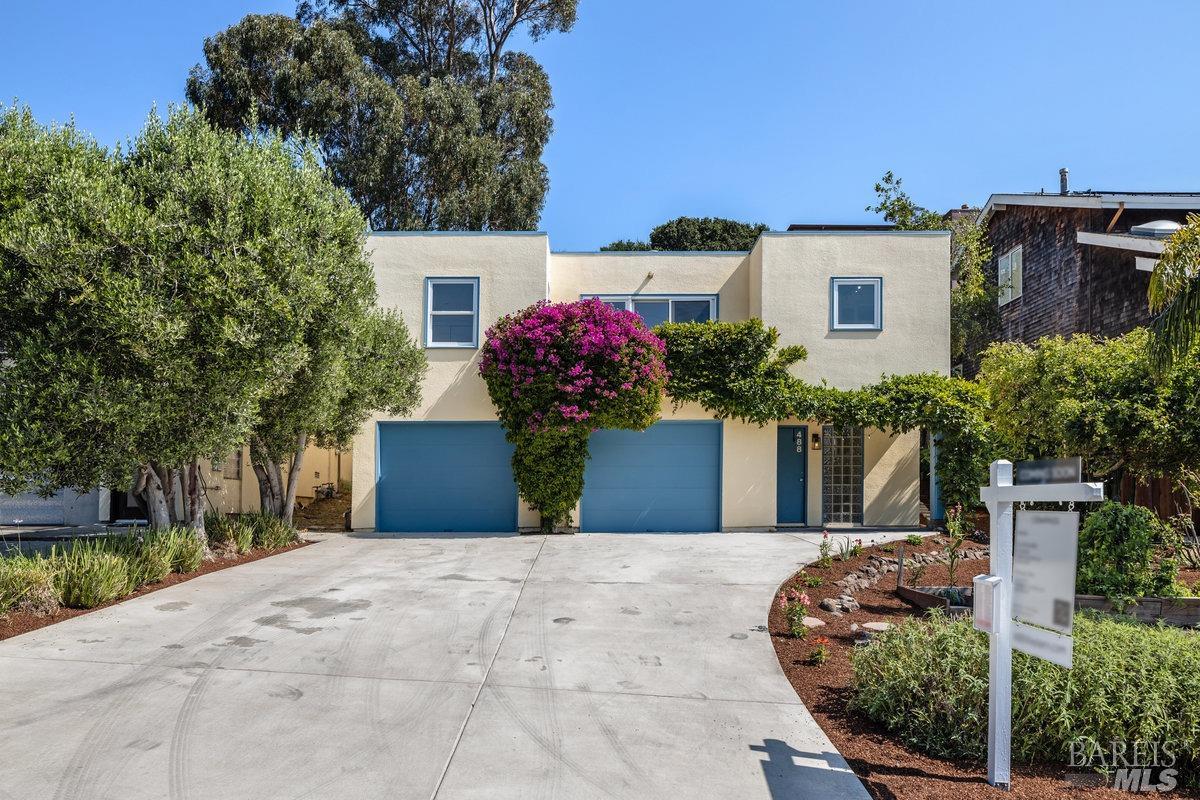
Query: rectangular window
{"type": "Point", "coordinates": [1009, 275]}
{"type": "Point", "coordinates": [452, 312]}
{"type": "Point", "coordinates": [657, 309]}
{"type": "Point", "coordinates": [856, 304]}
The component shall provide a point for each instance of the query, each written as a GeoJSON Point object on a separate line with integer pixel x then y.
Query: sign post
{"type": "Point", "coordinates": [1038, 482]}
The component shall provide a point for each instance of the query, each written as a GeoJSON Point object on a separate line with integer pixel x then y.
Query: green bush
{"type": "Point", "coordinates": [1118, 549]}
{"type": "Point", "coordinates": [270, 532]}
{"type": "Point", "coordinates": [148, 557]}
{"type": "Point", "coordinates": [228, 533]}
{"type": "Point", "coordinates": [926, 681]}
{"type": "Point", "coordinates": [27, 584]}
{"type": "Point", "coordinates": [187, 549]}
{"type": "Point", "coordinates": [89, 573]}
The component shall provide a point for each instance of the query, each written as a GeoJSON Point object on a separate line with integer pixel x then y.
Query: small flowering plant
{"type": "Point", "coordinates": [556, 372]}
{"type": "Point", "coordinates": [820, 652]}
{"type": "Point", "coordinates": [795, 606]}
{"type": "Point", "coordinates": [825, 550]}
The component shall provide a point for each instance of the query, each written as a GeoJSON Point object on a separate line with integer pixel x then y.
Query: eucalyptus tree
{"type": "Point", "coordinates": [422, 112]}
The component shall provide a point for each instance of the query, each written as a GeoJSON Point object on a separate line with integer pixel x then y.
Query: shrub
{"type": "Point", "coordinates": [27, 584]}
{"type": "Point", "coordinates": [914, 539]}
{"type": "Point", "coordinates": [1118, 545]}
{"type": "Point", "coordinates": [270, 532]}
{"type": "Point", "coordinates": [89, 573]}
{"type": "Point", "coordinates": [926, 681]}
{"type": "Point", "coordinates": [185, 547]}
{"type": "Point", "coordinates": [148, 557]}
{"type": "Point", "coordinates": [794, 605]}
{"type": "Point", "coordinates": [228, 533]}
{"type": "Point", "coordinates": [558, 371]}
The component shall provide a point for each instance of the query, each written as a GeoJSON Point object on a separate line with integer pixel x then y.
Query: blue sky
{"type": "Point", "coordinates": [777, 111]}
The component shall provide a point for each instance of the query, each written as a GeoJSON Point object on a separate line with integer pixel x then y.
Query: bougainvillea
{"type": "Point", "coordinates": [558, 371]}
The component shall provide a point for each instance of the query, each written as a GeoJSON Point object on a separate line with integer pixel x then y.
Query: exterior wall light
{"type": "Point", "coordinates": [816, 441]}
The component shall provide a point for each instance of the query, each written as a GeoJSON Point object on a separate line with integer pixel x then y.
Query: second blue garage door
{"type": "Point", "coordinates": [665, 478]}
{"type": "Point", "coordinates": [445, 476]}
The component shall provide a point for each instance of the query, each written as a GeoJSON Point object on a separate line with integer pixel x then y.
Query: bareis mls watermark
{"type": "Point", "coordinates": [1136, 766]}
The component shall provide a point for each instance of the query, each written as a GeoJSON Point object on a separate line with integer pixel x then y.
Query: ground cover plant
{"type": "Point", "coordinates": [1125, 552]}
{"type": "Point", "coordinates": [925, 681]}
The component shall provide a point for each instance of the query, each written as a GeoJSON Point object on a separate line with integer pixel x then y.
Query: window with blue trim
{"type": "Point", "coordinates": [657, 309]}
{"type": "Point", "coordinates": [451, 312]}
{"type": "Point", "coordinates": [856, 304]}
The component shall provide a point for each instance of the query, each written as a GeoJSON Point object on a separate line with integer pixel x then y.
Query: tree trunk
{"type": "Point", "coordinates": [195, 500]}
{"type": "Point", "coordinates": [151, 493]}
{"type": "Point", "coordinates": [270, 482]}
{"type": "Point", "coordinates": [293, 482]}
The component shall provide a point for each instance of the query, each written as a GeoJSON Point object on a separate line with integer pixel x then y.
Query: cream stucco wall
{"type": "Point", "coordinates": [785, 279]}
{"type": "Point", "coordinates": [915, 267]}
{"type": "Point", "coordinates": [575, 275]}
{"type": "Point", "coordinates": [512, 273]}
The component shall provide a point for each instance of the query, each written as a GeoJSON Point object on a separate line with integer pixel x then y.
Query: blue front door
{"type": "Point", "coordinates": [791, 476]}
{"type": "Point", "coordinates": [665, 478]}
{"type": "Point", "coordinates": [444, 476]}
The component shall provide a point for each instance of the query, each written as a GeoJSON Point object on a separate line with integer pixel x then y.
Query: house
{"type": "Point", "coordinates": [1078, 262]}
{"type": "Point", "coordinates": [863, 302]}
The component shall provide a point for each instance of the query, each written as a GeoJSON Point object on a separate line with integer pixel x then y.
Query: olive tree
{"type": "Point", "coordinates": [159, 299]}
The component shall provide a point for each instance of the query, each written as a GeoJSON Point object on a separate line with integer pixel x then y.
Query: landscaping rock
{"type": "Point", "coordinates": [829, 604]}
{"type": "Point", "coordinates": [813, 622]}
{"type": "Point", "coordinates": [877, 627]}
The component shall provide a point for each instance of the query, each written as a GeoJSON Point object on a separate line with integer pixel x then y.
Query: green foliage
{"type": "Point", "coordinates": [914, 539]}
{"type": "Point", "coordinates": [1099, 399]}
{"type": "Point", "coordinates": [926, 681]}
{"type": "Point", "coordinates": [229, 533]}
{"type": "Point", "coordinates": [166, 294]}
{"type": "Point", "coordinates": [270, 532]}
{"type": "Point", "coordinates": [627, 246]}
{"type": "Point", "coordinates": [27, 584]}
{"type": "Point", "coordinates": [957, 529]}
{"type": "Point", "coordinates": [1175, 296]}
{"type": "Point", "coordinates": [421, 113]}
{"type": "Point", "coordinates": [974, 311]}
{"type": "Point", "coordinates": [88, 573]}
{"type": "Point", "coordinates": [825, 552]}
{"type": "Point", "coordinates": [148, 557]}
{"type": "Point", "coordinates": [899, 209]}
{"type": "Point", "coordinates": [187, 550]}
{"type": "Point", "coordinates": [735, 370]}
{"type": "Point", "coordinates": [697, 234]}
{"type": "Point", "coordinates": [1119, 546]}
{"type": "Point", "coordinates": [732, 369]}
{"type": "Point", "coordinates": [795, 607]}
{"type": "Point", "coordinates": [548, 466]}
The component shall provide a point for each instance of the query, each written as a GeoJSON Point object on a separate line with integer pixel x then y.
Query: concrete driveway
{"type": "Point", "coordinates": [606, 666]}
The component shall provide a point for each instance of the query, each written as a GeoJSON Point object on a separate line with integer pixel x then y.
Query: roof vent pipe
{"type": "Point", "coordinates": [1062, 180]}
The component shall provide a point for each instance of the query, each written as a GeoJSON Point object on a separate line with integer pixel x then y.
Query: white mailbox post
{"type": "Point", "coordinates": [994, 593]}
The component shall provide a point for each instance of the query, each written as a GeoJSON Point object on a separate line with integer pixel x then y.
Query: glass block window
{"type": "Point", "coordinates": [842, 475]}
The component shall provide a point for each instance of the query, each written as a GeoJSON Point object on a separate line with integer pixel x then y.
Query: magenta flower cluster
{"type": "Point", "coordinates": [554, 365]}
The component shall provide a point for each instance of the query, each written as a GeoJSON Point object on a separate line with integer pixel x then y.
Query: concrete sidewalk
{"type": "Point", "coordinates": [606, 666]}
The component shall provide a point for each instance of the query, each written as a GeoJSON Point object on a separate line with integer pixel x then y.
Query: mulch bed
{"type": "Point", "coordinates": [890, 770]}
{"type": "Point", "coordinates": [17, 622]}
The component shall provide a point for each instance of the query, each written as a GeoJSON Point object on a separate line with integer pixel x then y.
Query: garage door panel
{"type": "Point", "coordinates": [666, 478]}
{"type": "Point", "coordinates": [452, 476]}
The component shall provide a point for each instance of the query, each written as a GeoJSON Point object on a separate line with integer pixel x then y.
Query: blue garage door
{"type": "Point", "coordinates": [445, 476]}
{"type": "Point", "coordinates": [665, 478]}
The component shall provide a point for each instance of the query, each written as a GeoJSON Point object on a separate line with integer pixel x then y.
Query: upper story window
{"type": "Point", "coordinates": [657, 309]}
{"type": "Point", "coordinates": [856, 304]}
{"type": "Point", "coordinates": [1008, 275]}
{"type": "Point", "coordinates": [451, 312]}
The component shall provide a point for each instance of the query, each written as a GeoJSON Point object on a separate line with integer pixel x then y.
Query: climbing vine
{"type": "Point", "coordinates": [556, 372]}
{"type": "Point", "coordinates": [735, 370]}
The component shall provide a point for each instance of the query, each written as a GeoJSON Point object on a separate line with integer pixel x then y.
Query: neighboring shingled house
{"type": "Point", "coordinates": [1078, 262]}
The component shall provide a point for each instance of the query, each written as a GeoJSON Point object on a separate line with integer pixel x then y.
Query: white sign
{"type": "Point", "coordinates": [1044, 553]}
{"type": "Point", "coordinates": [1044, 644]}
